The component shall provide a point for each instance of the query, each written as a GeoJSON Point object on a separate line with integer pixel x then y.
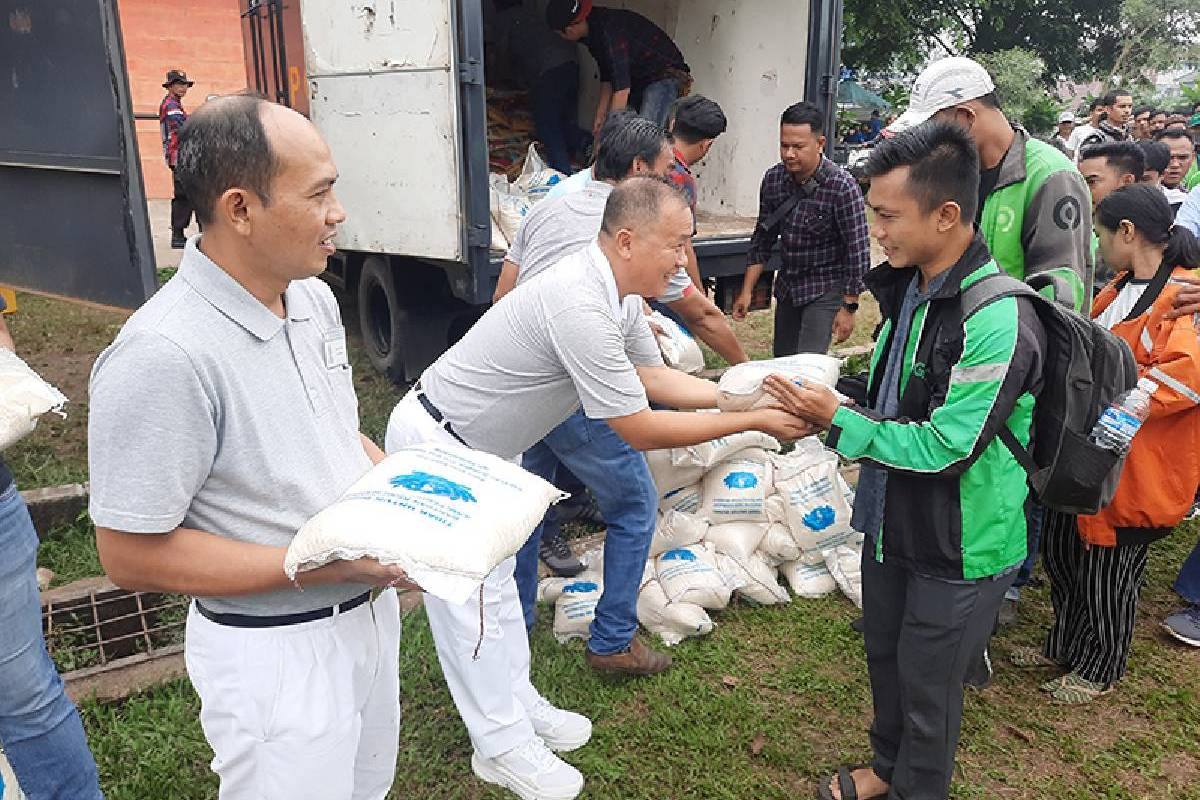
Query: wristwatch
{"type": "Point", "coordinates": [851, 307]}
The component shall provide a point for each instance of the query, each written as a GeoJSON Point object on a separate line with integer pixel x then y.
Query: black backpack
{"type": "Point", "coordinates": [1086, 368]}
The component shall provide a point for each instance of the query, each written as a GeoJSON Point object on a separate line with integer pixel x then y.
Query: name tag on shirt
{"type": "Point", "coordinates": [335, 350]}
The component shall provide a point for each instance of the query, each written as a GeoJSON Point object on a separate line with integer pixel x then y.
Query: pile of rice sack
{"type": "Point", "coordinates": [735, 517]}
{"type": "Point", "coordinates": [510, 202]}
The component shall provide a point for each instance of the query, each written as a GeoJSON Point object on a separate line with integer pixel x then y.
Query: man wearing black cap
{"type": "Point", "coordinates": [171, 117]}
{"type": "Point", "coordinates": [639, 64]}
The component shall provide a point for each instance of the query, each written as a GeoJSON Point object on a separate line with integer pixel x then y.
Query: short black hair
{"type": "Point", "coordinates": [616, 119]}
{"type": "Point", "coordinates": [1094, 104]}
{"type": "Point", "coordinates": [223, 144]}
{"type": "Point", "coordinates": [804, 113]}
{"type": "Point", "coordinates": [636, 138]}
{"type": "Point", "coordinates": [1174, 133]}
{"type": "Point", "coordinates": [697, 118]}
{"type": "Point", "coordinates": [560, 13]}
{"type": "Point", "coordinates": [1110, 97]}
{"type": "Point", "coordinates": [637, 201]}
{"type": "Point", "coordinates": [1127, 157]}
{"type": "Point", "coordinates": [1157, 111]}
{"type": "Point", "coordinates": [1137, 112]}
{"type": "Point", "coordinates": [989, 100]}
{"type": "Point", "coordinates": [1156, 154]}
{"type": "Point", "coordinates": [943, 165]}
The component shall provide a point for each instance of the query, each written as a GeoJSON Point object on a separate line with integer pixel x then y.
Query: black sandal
{"type": "Point", "coordinates": [845, 781]}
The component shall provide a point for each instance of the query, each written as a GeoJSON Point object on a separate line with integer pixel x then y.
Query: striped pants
{"type": "Point", "coordinates": [1095, 592]}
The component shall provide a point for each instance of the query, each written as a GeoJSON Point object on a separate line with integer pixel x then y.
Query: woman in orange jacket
{"type": "Point", "coordinates": [1095, 563]}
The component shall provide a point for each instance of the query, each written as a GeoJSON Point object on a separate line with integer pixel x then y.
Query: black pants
{"type": "Point", "coordinates": [921, 634]}
{"type": "Point", "coordinates": [555, 109]}
{"type": "Point", "coordinates": [807, 328]}
{"type": "Point", "coordinates": [181, 208]}
{"type": "Point", "coordinates": [1095, 592]}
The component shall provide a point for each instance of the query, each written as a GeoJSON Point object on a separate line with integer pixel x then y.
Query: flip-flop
{"type": "Point", "coordinates": [845, 781]}
{"type": "Point", "coordinates": [1029, 658]}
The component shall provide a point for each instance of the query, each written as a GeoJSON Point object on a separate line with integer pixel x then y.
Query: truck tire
{"type": "Point", "coordinates": [379, 318]}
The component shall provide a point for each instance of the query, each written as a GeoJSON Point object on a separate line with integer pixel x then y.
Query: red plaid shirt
{"type": "Point", "coordinates": [631, 52]}
{"type": "Point", "coordinates": [171, 117]}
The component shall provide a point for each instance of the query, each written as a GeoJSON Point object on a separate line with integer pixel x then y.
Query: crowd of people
{"type": "Point", "coordinates": [248, 423]}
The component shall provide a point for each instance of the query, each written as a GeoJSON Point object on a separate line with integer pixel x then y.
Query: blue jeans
{"type": "Point", "coordinates": [656, 100]}
{"type": "Point", "coordinates": [620, 479]}
{"type": "Point", "coordinates": [1025, 572]}
{"type": "Point", "coordinates": [39, 726]}
{"type": "Point", "coordinates": [1188, 582]}
{"type": "Point", "coordinates": [555, 109]}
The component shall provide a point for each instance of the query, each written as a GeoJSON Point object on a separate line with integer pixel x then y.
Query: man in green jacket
{"type": "Point", "coordinates": [943, 503]}
{"type": "Point", "coordinates": [1034, 210]}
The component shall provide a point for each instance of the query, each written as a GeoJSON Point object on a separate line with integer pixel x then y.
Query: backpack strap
{"type": "Point", "coordinates": [1152, 291]}
{"type": "Point", "coordinates": [804, 191]}
{"type": "Point", "coordinates": [984, 292]}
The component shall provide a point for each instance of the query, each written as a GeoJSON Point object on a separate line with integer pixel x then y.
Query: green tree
{"type": "Point", "coordinates": [1154, 34]}
{"type": "Point", "coordinates": [1019, 75]}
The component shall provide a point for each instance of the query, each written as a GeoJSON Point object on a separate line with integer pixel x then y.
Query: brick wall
{"type": "Point", "coordinates": [201, 37]}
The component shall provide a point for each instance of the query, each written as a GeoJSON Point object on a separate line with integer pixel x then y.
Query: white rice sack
{"type": "Point", "coordinates": [446, 514]}
{"type": "Point", "coordinates": [550, 589]}
{"type": "Point", "coordinates": [847, 490]}
{"type": "Point", "coordinates": [738, 540]}
{"type": "Point", "coordinates": [690, 575]}
{"type": "Point", "coordinates": [778, 545]}
{"type": "Point", "coordinates": [676, 529]}
{"type": "Point", "coordinates": [737, 490]}
{"type": "Point", "coordinates": [24, 396]}
{"type": "Point", "coordinates": [818, 515]}
{"type": "Point", "coordinates": [688, 500]}
{"type": "Point", "coordinates": [679, 348]}
{"type": "Point", "coordinates": [576, 608]}
{"type": "Point", "coordinates": [845, 565]}
{"type": "Point", "coordinates": [537, 178]}
{"type": "Point", "coordinates": [707, 454]}
{"type": "Point", "coordinates": [809, 580]}
{"type": "Point", "coordinates": [776, 508]}
{"type": "Point", "coordinates": [509, 212]}
{"type": "Point", "coordinates": [668, 477]}
{"type": "Point", "coordinates": [758, 581]}
{"type": "Point", "coordinates": [741, 386]}
{"type": "Point", "coordinates": [804, 454]}
{"type": "Point", "coordinates": [672, 622]}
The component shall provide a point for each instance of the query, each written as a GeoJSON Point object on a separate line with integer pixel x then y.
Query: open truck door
{"type": "Point", "coordinates": [75, 223]}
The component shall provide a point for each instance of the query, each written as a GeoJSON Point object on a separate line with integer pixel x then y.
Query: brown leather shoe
{"type": "Point", "coordinates": [637, 660]}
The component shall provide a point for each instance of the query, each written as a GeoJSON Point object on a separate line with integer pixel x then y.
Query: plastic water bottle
{"type": "Point", "coordinates": [8, 782]}
{"type": "Point", "coordinates": [1120, 421]}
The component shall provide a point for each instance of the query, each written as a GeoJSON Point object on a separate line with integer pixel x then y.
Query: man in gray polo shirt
{"type": "Point", "coordinates": [556, 342]}
{"type": "Point", "coordinates": [223, 417]}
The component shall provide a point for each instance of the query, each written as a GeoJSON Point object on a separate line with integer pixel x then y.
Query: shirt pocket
{"type": "Point", "coordinates": [814, 222]}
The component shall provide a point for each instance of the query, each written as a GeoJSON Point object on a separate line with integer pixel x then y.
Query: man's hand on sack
{"type": "Point", "coordinates": [370, 572]}
{"type": "Point", "coordinates": [784, 425]}
{"type": "Point", "coordinates": [812, 402]}
{"type": "Point", "coordinates": [1188, 299]}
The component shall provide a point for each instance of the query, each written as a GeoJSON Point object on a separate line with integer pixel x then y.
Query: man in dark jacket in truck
{"type": "Point", "coordinates": [943, 503]}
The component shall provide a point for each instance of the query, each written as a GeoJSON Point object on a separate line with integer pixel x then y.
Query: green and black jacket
{"type": "Point", "coordinates": [957, 503]}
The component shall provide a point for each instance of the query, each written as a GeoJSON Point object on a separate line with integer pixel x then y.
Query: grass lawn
{"type": "Point", "coordinates": [771, 701]}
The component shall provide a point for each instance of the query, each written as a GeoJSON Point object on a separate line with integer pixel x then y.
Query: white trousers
{"type": "Point", "coordinates": [492, 691]}
{"type": "Point", "coordinates": [301, 712]}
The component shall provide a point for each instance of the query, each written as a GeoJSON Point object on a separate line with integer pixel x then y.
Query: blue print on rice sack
{"type": "Point", "coordinates": [741, 480]}
{"type": "Point", "coordinates": [581, 587]}
{"type": "Point", "coordinates": [679, 555]}
{"type": "Point", "coordinates": [820, 518]}
{"type": "Point", "coordinates": [425, 483]}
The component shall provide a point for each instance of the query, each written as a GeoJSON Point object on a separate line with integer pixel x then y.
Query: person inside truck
{"type": "Point", "coordinates": [246, 425]}
{"type": "Point", "coordinates": [548, 68]}
{"type": "Point", "coordinates": [639, 64]}
{"type": "Point", "coordinates": [579, 181]}
{"type": "Point", "coordinates": [815, 210]}
{"type": "Point", "coordinates": [567, 338]}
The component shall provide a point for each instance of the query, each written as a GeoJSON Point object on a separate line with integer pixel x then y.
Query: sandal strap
{"type": "Point", "coordinates": [846, 784]}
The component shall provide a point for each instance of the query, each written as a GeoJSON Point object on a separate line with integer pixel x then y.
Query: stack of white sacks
{"type": "Point", "coordinates": [735, 516]}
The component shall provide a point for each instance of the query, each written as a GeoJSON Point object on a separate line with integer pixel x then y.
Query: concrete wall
{"type": "Point", "coordinates": [201, 37]}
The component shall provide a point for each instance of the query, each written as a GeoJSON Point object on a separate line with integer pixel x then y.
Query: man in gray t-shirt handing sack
{"type": "Point", "coordinates": [557, 341]}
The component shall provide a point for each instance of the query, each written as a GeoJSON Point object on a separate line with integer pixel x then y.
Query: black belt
{"type": "Point", "coordinates": [438, 416]}
{"type": "Point", "coordinates": [279, 620]}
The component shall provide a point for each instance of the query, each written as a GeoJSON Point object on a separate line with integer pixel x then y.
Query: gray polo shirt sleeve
{"type": "Point", "coordinates": [152, 435]}
{"type": "Point", "coordinates": [640, 344]}
{"type": "Point", "coordinates": [591, 347]}
{"type": "Point", "coordinates": [676, 288]}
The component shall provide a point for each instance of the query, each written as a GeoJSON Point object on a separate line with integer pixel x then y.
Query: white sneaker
{"type": "Point", "coordinates": [531, 772]}
{"type": "Point", "coordinates": [562, 731]}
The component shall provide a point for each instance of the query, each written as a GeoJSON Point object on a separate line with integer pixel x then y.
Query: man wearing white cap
{"type": "Point", "coordinates": [1034, 211]}
{"type": "Point", "coordinates": [1033, 208]}
{"type": "Point", "coordinates": [1066, 124]}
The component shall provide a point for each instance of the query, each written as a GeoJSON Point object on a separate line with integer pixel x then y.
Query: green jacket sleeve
{"type": "Point", "coordinates": [1002, 355]}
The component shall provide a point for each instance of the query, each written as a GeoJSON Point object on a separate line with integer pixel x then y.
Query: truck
{"type": "Point", "coordinates": [399, 90]}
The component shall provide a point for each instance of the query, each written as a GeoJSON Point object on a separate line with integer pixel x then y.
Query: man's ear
{"type": "Point", "coordinates": [233, 208]}
{"type": "Point", "coordinates": [949, 215]}
{"type": "Point", "coordinates": [624, 240]}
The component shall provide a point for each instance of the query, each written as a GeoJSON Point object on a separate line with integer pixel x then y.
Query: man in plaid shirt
{"type": "Point", "coordinates": [639, 64]}
{"type": "Point", "coordinates": [824, 247]}
{"type": "Point", "coordinates": [171, 117]}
